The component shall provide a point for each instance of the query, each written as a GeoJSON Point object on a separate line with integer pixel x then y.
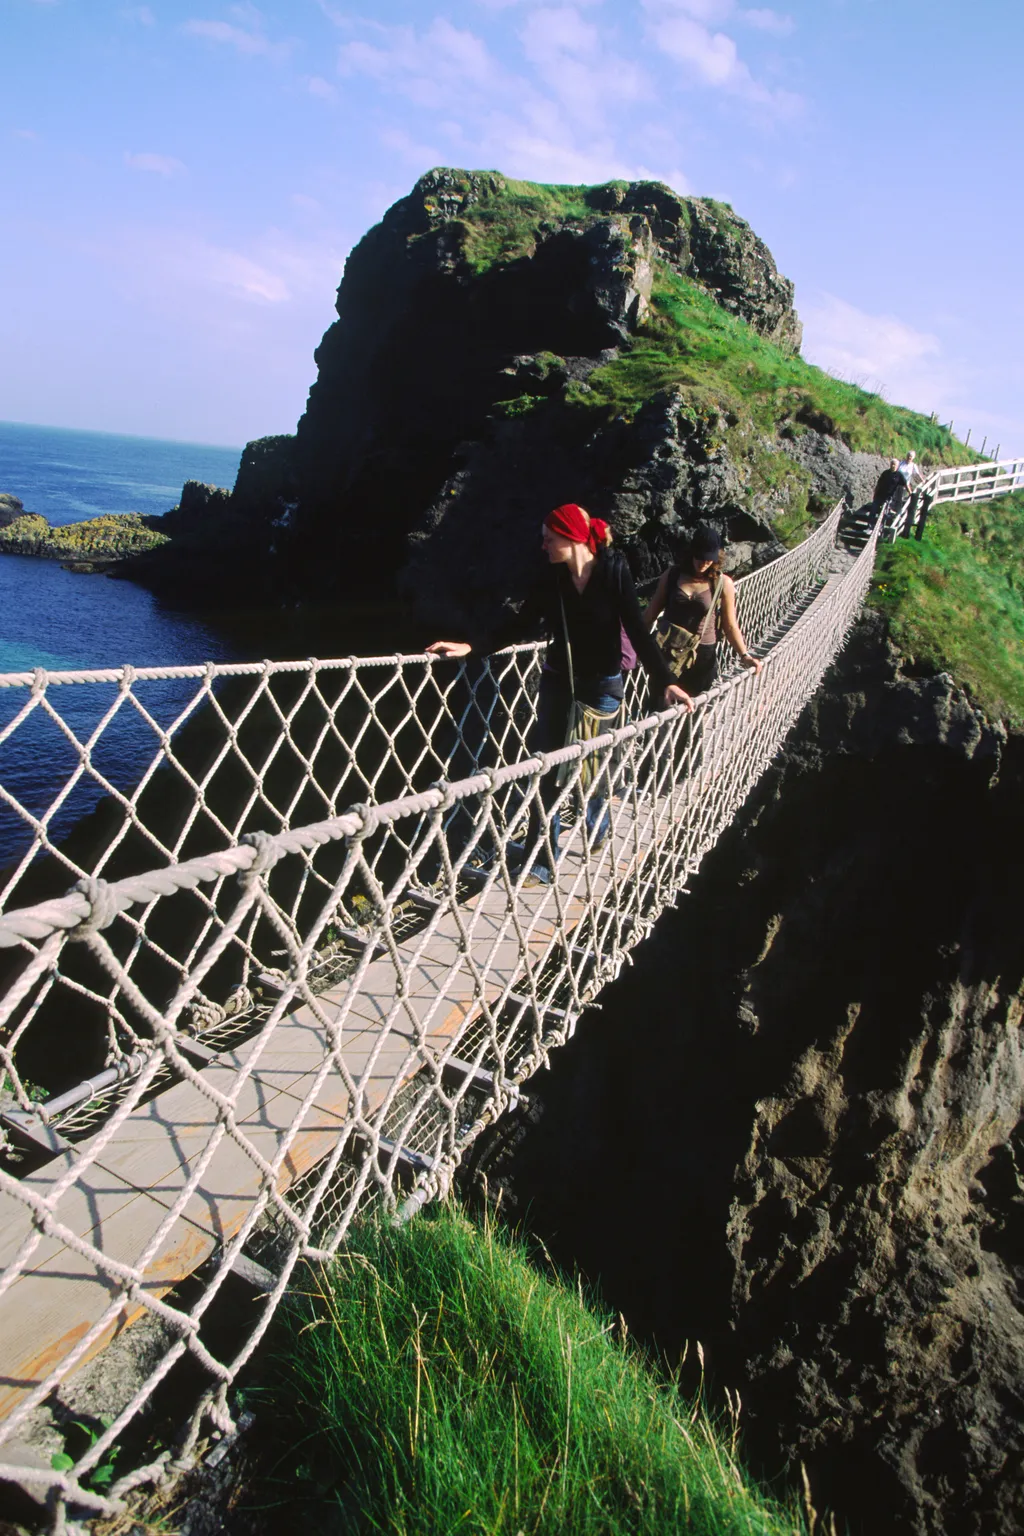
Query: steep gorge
{"type": "Point", "coordinates": [793, 1130]}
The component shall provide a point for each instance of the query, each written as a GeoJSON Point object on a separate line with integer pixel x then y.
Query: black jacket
{"type": "Point", "coordinates": [888, 481]}
{"type": "Point", "coordinates": [592, 617]}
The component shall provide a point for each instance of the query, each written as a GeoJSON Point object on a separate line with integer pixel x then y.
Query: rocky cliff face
{"type": "Point", "coordinates": [443, 315]}
{"type": "Point", "coordinates": [794, 1129]}
{"type": "Point", "coordinates": [445, 419]}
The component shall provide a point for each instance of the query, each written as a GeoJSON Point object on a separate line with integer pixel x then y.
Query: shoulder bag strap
{"type": "Point", "coordinates": [568, 647]}
{"type": "Point", "coordinates": [714, 604]}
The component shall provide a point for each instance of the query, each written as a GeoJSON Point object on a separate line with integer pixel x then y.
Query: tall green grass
{"type": "Point", "coordinates": [723, 365]}
{"type": "Point", "coordinates": [955, 600]}
{"type": "Point", "coordinates": [433, 1381]}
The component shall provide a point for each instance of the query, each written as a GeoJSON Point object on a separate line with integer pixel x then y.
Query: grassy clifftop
{"type": "Point", "coordinates": [688, 341]}
{"type": "Point", "coordinates": [955, 600]}
{"type": "Point", "coordinates": [435, 1381]}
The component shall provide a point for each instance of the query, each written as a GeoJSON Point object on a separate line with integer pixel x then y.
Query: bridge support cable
{"type": "Point", "coordinates": [302, 964]}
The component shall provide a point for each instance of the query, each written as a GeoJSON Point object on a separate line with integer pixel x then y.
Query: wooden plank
{"type": "Point", "coordinates": [62, 1294]}
{"type": "Point", "coordinates": [119, 1202]}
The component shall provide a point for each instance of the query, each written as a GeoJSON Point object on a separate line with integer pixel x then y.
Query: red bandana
{"type": "Point", "coordinates": [571, 522]}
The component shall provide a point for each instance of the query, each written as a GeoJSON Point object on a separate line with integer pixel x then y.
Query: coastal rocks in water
{"type": "Point", "coordinates": [93, 544]}
{"type": "Point", "coordinates": [794, 1129]}
{"type": "Point", "coordinates": [225, 541]}
{"type": "Point", "coordinates": [11, 507]}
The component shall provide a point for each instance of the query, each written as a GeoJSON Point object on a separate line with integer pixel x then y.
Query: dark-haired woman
{"type": "Point", "coordinates": [686, 596]}
{"type": "Point", "coordinates": [586, 599]}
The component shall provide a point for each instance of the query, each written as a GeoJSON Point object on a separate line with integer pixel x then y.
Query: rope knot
{"type": "Point", "coordinates": [103, 906]}
{"type": "Point", "coordinates": [444, 789]}
{"type": "Point", "coordinates": [268, 852]}
{"type": "Point", "coordinates": [368, 816]}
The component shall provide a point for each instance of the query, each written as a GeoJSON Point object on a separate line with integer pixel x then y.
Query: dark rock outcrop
{"type": "Point", "coordinates": [224, 543]}
{"type": "Point", "coordinates": [794, 1129]}
{"type": "Point", "coordinates": [11, 507]}
{"type": "Point", "coordinates": [835, 470]}
{"type": "Point", "coordinates": [401, 435]}
{"type": "Point", "coordinates": [469, 321]}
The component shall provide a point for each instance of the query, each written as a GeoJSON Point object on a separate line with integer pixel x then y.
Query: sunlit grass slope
{"type": "Point", "coordinates": [690, 343]}
{"type": "Point", "coordinates": [956, 599]}
{"type": "Point", "coordinates": [435, 1382]}
{"type": "Point", "coordinates": [722, 363]}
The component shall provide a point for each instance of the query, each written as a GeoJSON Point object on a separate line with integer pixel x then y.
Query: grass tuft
{"type": "Point", "coordinates": [433, 1381]}
{"type": "Point", "coordinates": [955, 600]}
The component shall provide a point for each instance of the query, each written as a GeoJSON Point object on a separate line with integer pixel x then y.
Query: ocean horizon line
{"type": "Point", "coordinates": [138, 437]}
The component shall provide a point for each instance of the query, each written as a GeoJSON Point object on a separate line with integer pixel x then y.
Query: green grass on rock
{"type": "Point", "coordinates": [722, 364]}
{"type": "Point", "coordinates": [955, 600]}
{"type": "Point", "coordinates": [110, 536]}
{"type": "Point", "coordinates": [435, 1382]}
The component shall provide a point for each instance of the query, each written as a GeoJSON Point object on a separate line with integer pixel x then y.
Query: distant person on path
{"type": "Point", "coordinates": [583, 603]}
{"type": "Point", "coordinates": [889, 482]}
{"type": "Point", "coordinates": [696, 597]}
{"type": "Point", "coordinates": [910, 473]}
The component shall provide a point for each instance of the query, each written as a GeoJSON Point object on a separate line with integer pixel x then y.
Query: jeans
{"type": "Point", "coordinates": [547, 734]}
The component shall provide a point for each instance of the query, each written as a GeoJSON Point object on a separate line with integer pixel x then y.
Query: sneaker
{"type": "Point", "coordinates": [538, 874]}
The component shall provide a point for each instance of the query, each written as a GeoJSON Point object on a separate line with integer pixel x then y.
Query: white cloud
{"type": "Point", "coordinates": [558, 119]}
{"type": "Point", "coordinates": [139, 13]}
{"type": "Point", "coordinates": [316, 85]}
{"type": "Point", "coordinates": [159, 165]}
{"type": "Point", "coordinates": [681, 29]}
{"type": "Point", "coordinates": [245, 41]}
{"type": "Point", "coordinates": [570, 59]}
{"type": "Point", "coordinates": [420, 156]}
{"type": "Point", "coordinates": [548, 34]}
{"type": "Point", "coordinates": [710, 12]}
{"type": "Point", "coordinates": [879, 352]}
{"type": "Point", "coordinates": [768, 21]}
{"type": "Point", "coordinates": [273, 269]}
{"type": "Point", "coordinates": [427, 67]}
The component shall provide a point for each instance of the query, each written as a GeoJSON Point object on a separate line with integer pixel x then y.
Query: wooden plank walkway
{"type": "Point", "coordinates": [123, 1199]}
{"type": "Point", "coordinates": [400, 1020]}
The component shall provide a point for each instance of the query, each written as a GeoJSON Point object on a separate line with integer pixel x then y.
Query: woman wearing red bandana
{"type": "Point", "coordinates": [590, 584]}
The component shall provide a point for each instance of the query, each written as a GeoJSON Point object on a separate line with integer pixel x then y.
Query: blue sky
{"type": "Point", "coordinates": [182, 179]}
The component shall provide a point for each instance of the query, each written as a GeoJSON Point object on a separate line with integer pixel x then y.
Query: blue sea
{"type": "Point", "coordinates": [57, 619]}
{"type": "Point", "coordinates": [62, 620]}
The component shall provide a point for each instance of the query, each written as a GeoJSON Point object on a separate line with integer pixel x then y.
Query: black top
{"type": "Point", "coordinates": [690, 609]}
{"type": "Point", "coordinates": [592, 618]}
{"type": "Point", "coordinates": [888, 481]}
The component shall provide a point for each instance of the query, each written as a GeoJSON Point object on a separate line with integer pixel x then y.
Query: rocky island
{"type": "Point", "coordinates": [502, 346]}
{"type": "Point", "coordinates": [95, 544]}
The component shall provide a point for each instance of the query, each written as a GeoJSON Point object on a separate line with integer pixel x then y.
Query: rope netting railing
{"type": "Point", "coordinates": [296, 975]}
{"type": "Point", "coordinates": [106, 774]}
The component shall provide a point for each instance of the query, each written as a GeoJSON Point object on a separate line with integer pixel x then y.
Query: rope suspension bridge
{"type": "Point", "coordinates": [300, 968]}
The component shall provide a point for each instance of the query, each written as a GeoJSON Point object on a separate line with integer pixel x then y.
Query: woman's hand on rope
{"type": "Point", "coordinates": [676, 695]}
{"type": "Point", "coordinates": [449, 648]}
{"type": "Point", "coordinates": [746, 660]}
